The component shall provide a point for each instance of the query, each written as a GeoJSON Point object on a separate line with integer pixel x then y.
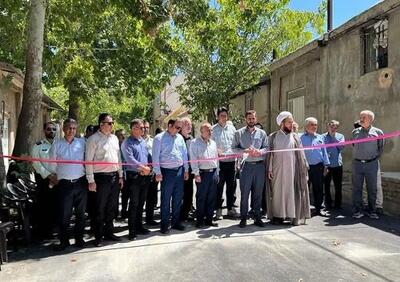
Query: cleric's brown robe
{"type": "Point", "coordinates": [301, 192]}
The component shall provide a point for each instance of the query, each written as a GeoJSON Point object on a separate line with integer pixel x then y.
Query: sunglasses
{"type": "Point", "coordinates": [51, 129]}
{"type": "Point", "coordinates": [107, 122]}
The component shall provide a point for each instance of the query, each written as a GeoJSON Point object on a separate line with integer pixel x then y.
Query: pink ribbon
{"type": "Point", "coordinates": [239, 155]}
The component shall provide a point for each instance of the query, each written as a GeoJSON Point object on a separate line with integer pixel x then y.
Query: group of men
{"type": "Point", "coordinates": [273, 170]}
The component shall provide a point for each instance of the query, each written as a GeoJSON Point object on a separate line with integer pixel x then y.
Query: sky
{"type": "Point", "coordinates": [343, 10]}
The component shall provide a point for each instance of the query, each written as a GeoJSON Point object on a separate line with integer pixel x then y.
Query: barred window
{"type": "Point", "coordinates": [375, 39]}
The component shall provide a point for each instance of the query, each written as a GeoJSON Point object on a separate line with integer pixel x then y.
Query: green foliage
{"type": "Point", "coordinates": [229, 49]}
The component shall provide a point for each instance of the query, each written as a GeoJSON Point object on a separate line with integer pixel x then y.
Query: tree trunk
{"type": "Point", "coordinates": [32, 91]}
{"type": "Point", "coordinates": [74, 107]}
{"type": "Point", "coordinates": [2, 167]}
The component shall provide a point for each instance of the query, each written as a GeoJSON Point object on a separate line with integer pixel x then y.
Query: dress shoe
{"type": "Point", "coordinates": [112, 237]}
{"type": "Point", "coordinates": [79, 243]}
{"type": "Point", "coordinates": [179, 227]}
{"type": "Point", "coordinates": [212, 224]}
{"type": "Point", "coordinates": [132, 236]}
{"type": "Point", "coordinates": [143, 231]}
{"type": "Point", "coordinates": [98, 243]}
{"type": "Point", "coordinates": [259, 223]}
{"type": "Point", "coordinates": [164, 230]}
{"type": "Point", "coordinates": [152, 223]}
{"type": "Point", "coordinates": [243, 223]}
{"type": "Point", "coordinates": [61, 247]}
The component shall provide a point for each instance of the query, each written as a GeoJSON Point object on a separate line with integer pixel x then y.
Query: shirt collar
{"type": "Point", "coordinates": [207, 142]}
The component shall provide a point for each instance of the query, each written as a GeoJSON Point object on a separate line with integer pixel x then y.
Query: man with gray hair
{"type": "Point", "coordinates": [318, 161]}
{"type": "Point", "coordinates": [365, 165]}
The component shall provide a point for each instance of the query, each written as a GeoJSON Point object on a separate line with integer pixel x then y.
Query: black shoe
{"type": "Point", "coordinates": [259, 223]}
{"type": "Point", "coordinates": [212, 224]}
{"type": "Point", "coordinates": [79, 243]}
{"type": "Point", "coordinates": [152, 223]}
{"type": "Point", "coordinates": [98, 243]}
{"type": "Point", "coordinates": [143, 231]}
{"type": "Point", "coordinates": [243, 223]}
{"type": "Point", "coordinates": [132, 236]}
{"type": "Point", "coordinates": [277, 221]}
{"type": "Point", "coordinates": [164, 230]}
{"type": "Point", "coordinates": [61, 247]}
{"type": "Point", "coordinates": [112, 237]}
{"type": "Point", "coordinates": [379, 211]}
{"type": "Point", "coordinates": [179, 227]}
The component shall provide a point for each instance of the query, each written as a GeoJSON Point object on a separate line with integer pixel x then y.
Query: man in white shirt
{"type": "Point", "coordinates": [71, 182]}
{"type": "Point", "coordinates": [104, 179]}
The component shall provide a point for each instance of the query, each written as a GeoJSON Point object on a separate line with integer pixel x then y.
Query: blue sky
{"type": "Point", "coordinates": [343, 11]}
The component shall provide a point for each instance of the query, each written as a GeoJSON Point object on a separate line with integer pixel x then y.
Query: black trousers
{"type": "Point", "coordinates": [335, 174]}
{"type": "Point", "coordinates": [124, 201]}
{"type": "Point", "coordinates": [46, 211]}
{"type": "Point", "coordinates": [205, 196]}
{"type": "Point", "coordinates": [151, 199]}
{"type": "Point", "coordinates": [107, 186]}
{"type": "Point", "coordinates": [72, 196]}
{"type": "Point", "coordinates": [187, 203]}
{"type": "Point", "coordinates": [226, 176]}
{"type": "Point", "coordinates": [137, 186]}
{"type": "Point", "coordinates": [316, 179]}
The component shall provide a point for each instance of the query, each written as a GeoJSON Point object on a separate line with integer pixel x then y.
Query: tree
{"type": "Point", "coordinates": [229, 48]}
{"type": "Point", "coordinates": [32, 90]}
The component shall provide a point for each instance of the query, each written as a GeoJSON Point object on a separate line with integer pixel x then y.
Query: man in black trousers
{"type": "Point", "coordinates": [134, 150]}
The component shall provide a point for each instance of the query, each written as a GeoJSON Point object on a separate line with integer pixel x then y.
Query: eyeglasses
{"type": "Point", "coordinates": [107, 122]}
{"type": "Point", "coordinates": [140, 128]}
{"type": "Point", "coordinates": [51, 129]}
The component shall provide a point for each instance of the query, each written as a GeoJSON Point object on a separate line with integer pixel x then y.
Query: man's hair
{"type": "Point", "coordinates": [172, 121]}
{"type": "Point", "coordinates": [146, 121]}
{"type": "Point", "coordinates": [47, 123]}
{"type": "Point", "coordinates": [158, 130]}
{"type": "Point", "coordinates": [222, 110]}
{"type": "Point", "coordinates": [204, 124]}
{"type": "Point", "coordinates": [102, 116]}
{"type": "Point", "coordinates": [334, 122]}
{"type": "Point", "coordinates": [90, 128]}
{"type": "Point", "coordinates": [136, 121]}
{"type": "Point", "coordinates": [369, 113]}
{"type": "Point", "coordinates": [69, 121]}
{"type": "Point", "coordinates": [250, 112]}
{"type": "Point", "coordinates": [310, 120]}
{"type": "Point", "coordinates": [185, 120]}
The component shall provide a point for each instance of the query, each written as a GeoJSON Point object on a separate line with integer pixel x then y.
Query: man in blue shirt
{"type": "Point", "coordinates": [135, 153]}
{"type": "Point", "coordinates": [72, 183]}
{"type": "Point", "coordinates": [170, 164]}
{"type": "Point", "coordinates": [335, 169]}
{"type": "Point", "coordinates": [318, 161]}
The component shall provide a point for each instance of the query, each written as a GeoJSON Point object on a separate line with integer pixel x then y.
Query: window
{"type": "Point", "coordinates": [375, 41]}
{"type": "Point", "coordinates": [249, 102]}
{"type": "Point", "coordinates": [296, 107]}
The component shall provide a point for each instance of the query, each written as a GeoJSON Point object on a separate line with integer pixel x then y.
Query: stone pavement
{"type": "Point", "coordinates": [327, 249]}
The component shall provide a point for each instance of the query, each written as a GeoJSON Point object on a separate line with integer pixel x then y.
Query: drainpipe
{"type": "Point", "coordinates": [330, 16]}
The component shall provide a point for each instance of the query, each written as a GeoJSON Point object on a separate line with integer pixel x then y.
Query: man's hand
{"type": "Point", "coordinates": [92, 187]}
{"type": "Point", "coordinates": [158, 177]}
{"type": "Point", "coordinates": [145, 170]}
{"type": "Point", "coordinates": [197, 178]}
{"type": "Point", "coordinates": [186, 175]}
{"type": "Point", "coordinates": [270, 175]}
{"type": "Point", "coordinates": [53, 179]}
{"type": "Point", "coordinates": [121, 182]}
{"type": "Point", "coordinates": [326, 170]}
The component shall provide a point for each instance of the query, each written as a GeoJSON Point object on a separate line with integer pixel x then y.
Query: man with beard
{"type": "Point", "coordinates": [288, 195]}
{"type": "Point", "coordinates": [46, 181]}
{"type": "Point", "coordinates": [253, 142]}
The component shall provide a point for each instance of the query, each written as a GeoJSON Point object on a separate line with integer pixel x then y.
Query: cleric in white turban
{"type": "Point", "coordinates": [287, 196]}
{"type": "Point", "coordinates": [282, 116]}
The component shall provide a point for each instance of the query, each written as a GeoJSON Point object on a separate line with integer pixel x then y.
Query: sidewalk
{"type": "Point", "coordinates": [327, 249]}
